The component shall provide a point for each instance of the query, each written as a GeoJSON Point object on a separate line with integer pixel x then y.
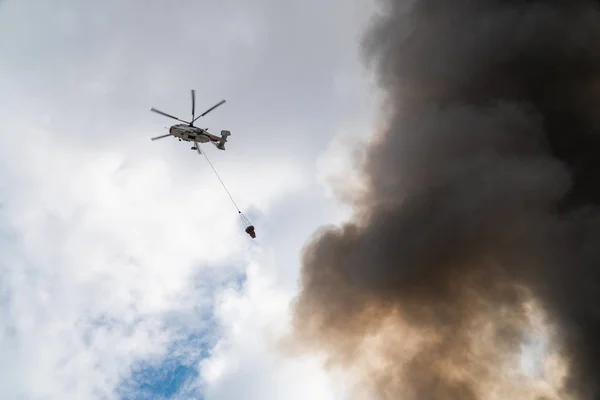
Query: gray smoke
{"type": "Point", "coordinates": [483, 193]}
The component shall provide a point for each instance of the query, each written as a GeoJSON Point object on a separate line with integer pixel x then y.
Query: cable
{"type": "Point", "coordinates": [249, 228]}
{"type": "Point", "coordinates": [224, 187]}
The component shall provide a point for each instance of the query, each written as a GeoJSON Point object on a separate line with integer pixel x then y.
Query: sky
{"type": "Point", "coordinates": [125, 271]}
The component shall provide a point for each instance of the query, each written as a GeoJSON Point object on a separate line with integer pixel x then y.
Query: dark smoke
{"type": "Point", "coordinates": [483, 193]}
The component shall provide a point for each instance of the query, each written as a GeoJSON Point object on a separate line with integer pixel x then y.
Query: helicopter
{"type": "Point", "coordinates": [190, 133]}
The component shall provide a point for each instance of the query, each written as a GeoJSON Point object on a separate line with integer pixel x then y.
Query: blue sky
{"type": "Point", "coordinates": [170, 377]}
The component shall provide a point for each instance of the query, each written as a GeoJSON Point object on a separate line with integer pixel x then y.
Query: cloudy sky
{"type": "Point", "coordinates": [125, 271]}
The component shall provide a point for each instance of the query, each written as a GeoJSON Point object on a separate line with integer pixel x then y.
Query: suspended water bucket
{"type": "Point", "coordinates": [248, 227]}
{"type": "Point", "coordinates": [250, 231]}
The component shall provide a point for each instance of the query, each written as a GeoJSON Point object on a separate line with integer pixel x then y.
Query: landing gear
{"type": "Point", "coordinates": [194, 148]}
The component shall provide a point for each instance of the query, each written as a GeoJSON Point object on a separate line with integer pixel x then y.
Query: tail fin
{"type": "Point", "coordinates": [224, 135]}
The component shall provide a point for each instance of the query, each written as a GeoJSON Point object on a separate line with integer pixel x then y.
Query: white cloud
{"type": "Point", "coordinates": [105, 247]}
{"type": "Point", "coordinates": [247, 361]}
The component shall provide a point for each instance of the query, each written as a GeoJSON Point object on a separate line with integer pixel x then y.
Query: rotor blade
{"type": "Point", "coordinates": [167, 115]}
{"type": "Point", "coordinates": [193, 103]}
{"type": "Point", "coordinates": [209, 110]}
{"type": "Point", "coordinates": [160, 137]}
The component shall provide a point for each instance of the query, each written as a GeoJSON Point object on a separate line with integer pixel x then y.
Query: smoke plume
{"type": "Point", "coordinates": [479, 228]}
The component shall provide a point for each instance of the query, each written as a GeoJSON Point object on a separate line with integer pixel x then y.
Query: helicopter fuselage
{"type": "Point", "coordinates": [192, 134]}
